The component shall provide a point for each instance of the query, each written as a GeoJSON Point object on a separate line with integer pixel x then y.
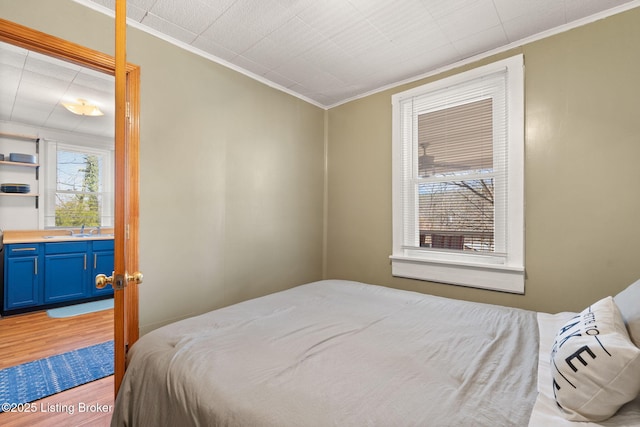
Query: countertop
{"type": "Point", "coordinates": [37, 236]}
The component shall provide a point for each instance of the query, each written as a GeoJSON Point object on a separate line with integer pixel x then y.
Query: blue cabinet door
{"type": "Point", "coordinates": [65, 277]}
{"type": "Point", "coordinates": [102, 264]}
{"type": "Point", "coordinates": [22, 282]}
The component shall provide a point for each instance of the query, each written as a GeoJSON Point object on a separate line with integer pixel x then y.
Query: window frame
{"type": "Point", "coordinates": [505, 272]}
{"type": "Point", "coordinates": [107, 180]}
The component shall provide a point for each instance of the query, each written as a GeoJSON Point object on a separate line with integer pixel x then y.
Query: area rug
{"type": "Point", "coordinates": [78, 309]}
{"type": "Point", "coordinates": [44, 377]}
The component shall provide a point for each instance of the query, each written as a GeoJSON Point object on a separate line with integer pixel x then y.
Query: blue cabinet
{"type": "Point", "coordinates": [66, 271]}
{"type": "Point", "coordinates": [23, 278]}
{"type": "Point", "coordinates": [55, 272]}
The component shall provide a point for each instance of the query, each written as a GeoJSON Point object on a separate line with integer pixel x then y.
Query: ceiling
{"type": "Point", "coordinates": [325, 52]}
{"type": "Point", "coordinates": [34, 85]}
{"type": "Point", "coordinates": [330, 51]}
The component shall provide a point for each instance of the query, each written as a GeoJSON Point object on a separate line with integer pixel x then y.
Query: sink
{"type": "Point", "coordinates": [76, 236]}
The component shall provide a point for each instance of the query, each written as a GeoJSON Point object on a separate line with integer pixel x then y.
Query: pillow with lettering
{"type": "Point", "coordinates": [594, 365]}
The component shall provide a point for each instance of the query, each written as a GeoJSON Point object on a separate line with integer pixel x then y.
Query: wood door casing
{"type": "Point", "coordinates": [126, 172]}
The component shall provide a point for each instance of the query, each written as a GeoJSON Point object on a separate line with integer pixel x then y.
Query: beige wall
{"type": "Point", "coordinates": [581, 171]}
{"type": "Point", "coordinates": [232, 172]}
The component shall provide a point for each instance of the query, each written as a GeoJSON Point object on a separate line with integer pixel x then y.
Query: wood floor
{"type": "Point", "coordinates": [28, 337]}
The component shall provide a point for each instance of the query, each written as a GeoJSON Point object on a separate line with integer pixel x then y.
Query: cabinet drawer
{"type": "Point", "coordinates": [103, 245]}
{"type": "Point", "coordinates": [23, 249]}
{"type": "Point", "coordinates": [65, 247]}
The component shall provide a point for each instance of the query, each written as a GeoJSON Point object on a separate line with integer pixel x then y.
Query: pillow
{"type": "Point", "coordinates": [594, 365]}
{"type": "Point", "coordinates": [628, 301]}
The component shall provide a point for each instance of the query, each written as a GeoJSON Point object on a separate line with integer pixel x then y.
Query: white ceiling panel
{"type": "Point", "coordinates": [331, 17]}
{"type": "Point", "coordinates": [262, 17]}
{"type": "Point", "coordinates": [509, 9]}
{"type": "Point", "coordinates": [480, 41]}
{"type": "Point", "coordinates": [522, 26]}
{"type": "Point", "coordinates": [577, 9]}
{"type": "Point", "coordinates": [473, 19]}
{"type": "Point", "coordinates": [225, 33]}
{"type": "Point", "coordinates": [168, 28]}
{"type": "Point", "coordinates": [192, 15]}
{"type": "Point", "coordinates": [213, 48]}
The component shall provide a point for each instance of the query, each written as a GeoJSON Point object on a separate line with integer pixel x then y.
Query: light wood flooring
{"type": "Point", "coordinates": [27, 337]}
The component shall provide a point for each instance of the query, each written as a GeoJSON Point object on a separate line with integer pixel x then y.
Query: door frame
{"type": "Point", "coordinates": [126, 320]}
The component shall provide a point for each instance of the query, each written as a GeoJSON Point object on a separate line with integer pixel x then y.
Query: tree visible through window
{"type": "Point", "coordinates": [78, 189]}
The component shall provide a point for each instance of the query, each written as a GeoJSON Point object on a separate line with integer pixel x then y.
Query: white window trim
{"type": "Point", "coordinates": [502, 274]}
{"type": "Point", "coordinates": [106, 216]}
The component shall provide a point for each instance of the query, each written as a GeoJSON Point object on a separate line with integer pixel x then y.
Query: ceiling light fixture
{"type": "Point", "coordinates": [83, 108]}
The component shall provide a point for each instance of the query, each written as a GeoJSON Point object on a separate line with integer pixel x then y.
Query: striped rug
{"type": "Point", "coordinates": [44, 377]}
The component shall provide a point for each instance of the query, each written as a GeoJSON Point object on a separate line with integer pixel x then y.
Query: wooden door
{"type": "Point", "coordinates": [126, 275]}
{"type": "Point", "coordinates": [126, 171]}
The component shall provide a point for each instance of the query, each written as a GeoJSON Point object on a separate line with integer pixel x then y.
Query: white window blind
{"type": "Point", "coordinates": [455, 161]}
{"type": "Point", "coordinates": [453, 186]}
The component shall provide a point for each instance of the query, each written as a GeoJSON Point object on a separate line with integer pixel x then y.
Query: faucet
{"type": "Point", "coordinates": [82, 229]}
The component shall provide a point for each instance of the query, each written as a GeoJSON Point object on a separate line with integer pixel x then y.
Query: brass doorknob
{"type": "Point", "coordinates": [135, 277]}
{"type": "Point", "coordinates": [102, 280]}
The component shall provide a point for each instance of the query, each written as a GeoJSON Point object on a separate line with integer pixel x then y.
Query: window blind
{"type": "Point", "coordinates": [455, 165]}
{"type": "Point", "coordinates": [78, 186]}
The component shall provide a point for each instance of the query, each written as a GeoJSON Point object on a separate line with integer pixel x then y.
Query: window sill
{"type": "Point", "coordinates": [493, 277]}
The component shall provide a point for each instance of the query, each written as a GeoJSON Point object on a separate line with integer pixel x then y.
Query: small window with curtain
{"type": "Point", "coordinates": [458, 214]}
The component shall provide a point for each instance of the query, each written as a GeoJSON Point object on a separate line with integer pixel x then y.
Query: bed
{"type": "Point", "coordinates": [341, 353]}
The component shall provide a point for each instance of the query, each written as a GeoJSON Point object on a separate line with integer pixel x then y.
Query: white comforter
{"type": "Point", "coordinates": [336, 353]}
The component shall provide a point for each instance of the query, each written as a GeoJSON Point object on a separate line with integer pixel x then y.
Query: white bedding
{"type": "Point", "coordinates": [337, 353]}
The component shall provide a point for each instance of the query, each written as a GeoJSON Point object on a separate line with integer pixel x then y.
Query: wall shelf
{"type": "Point", "coordinates": [30, 165]}
{"type": "Point", "coordinates": [36, 166]}
{"type": "Point", "coordinates": [36, 195]}
{"type": "Point", "coordinates": [18, 136]}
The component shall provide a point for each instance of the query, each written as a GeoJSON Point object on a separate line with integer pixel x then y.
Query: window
{"type": "Point", "coordinates": [458, 172]}
{"type": "Point", "coordinates": [79, 186]}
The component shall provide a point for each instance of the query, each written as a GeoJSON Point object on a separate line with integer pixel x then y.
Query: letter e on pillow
{"type": "Point", "coordinates": [594, 365]}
